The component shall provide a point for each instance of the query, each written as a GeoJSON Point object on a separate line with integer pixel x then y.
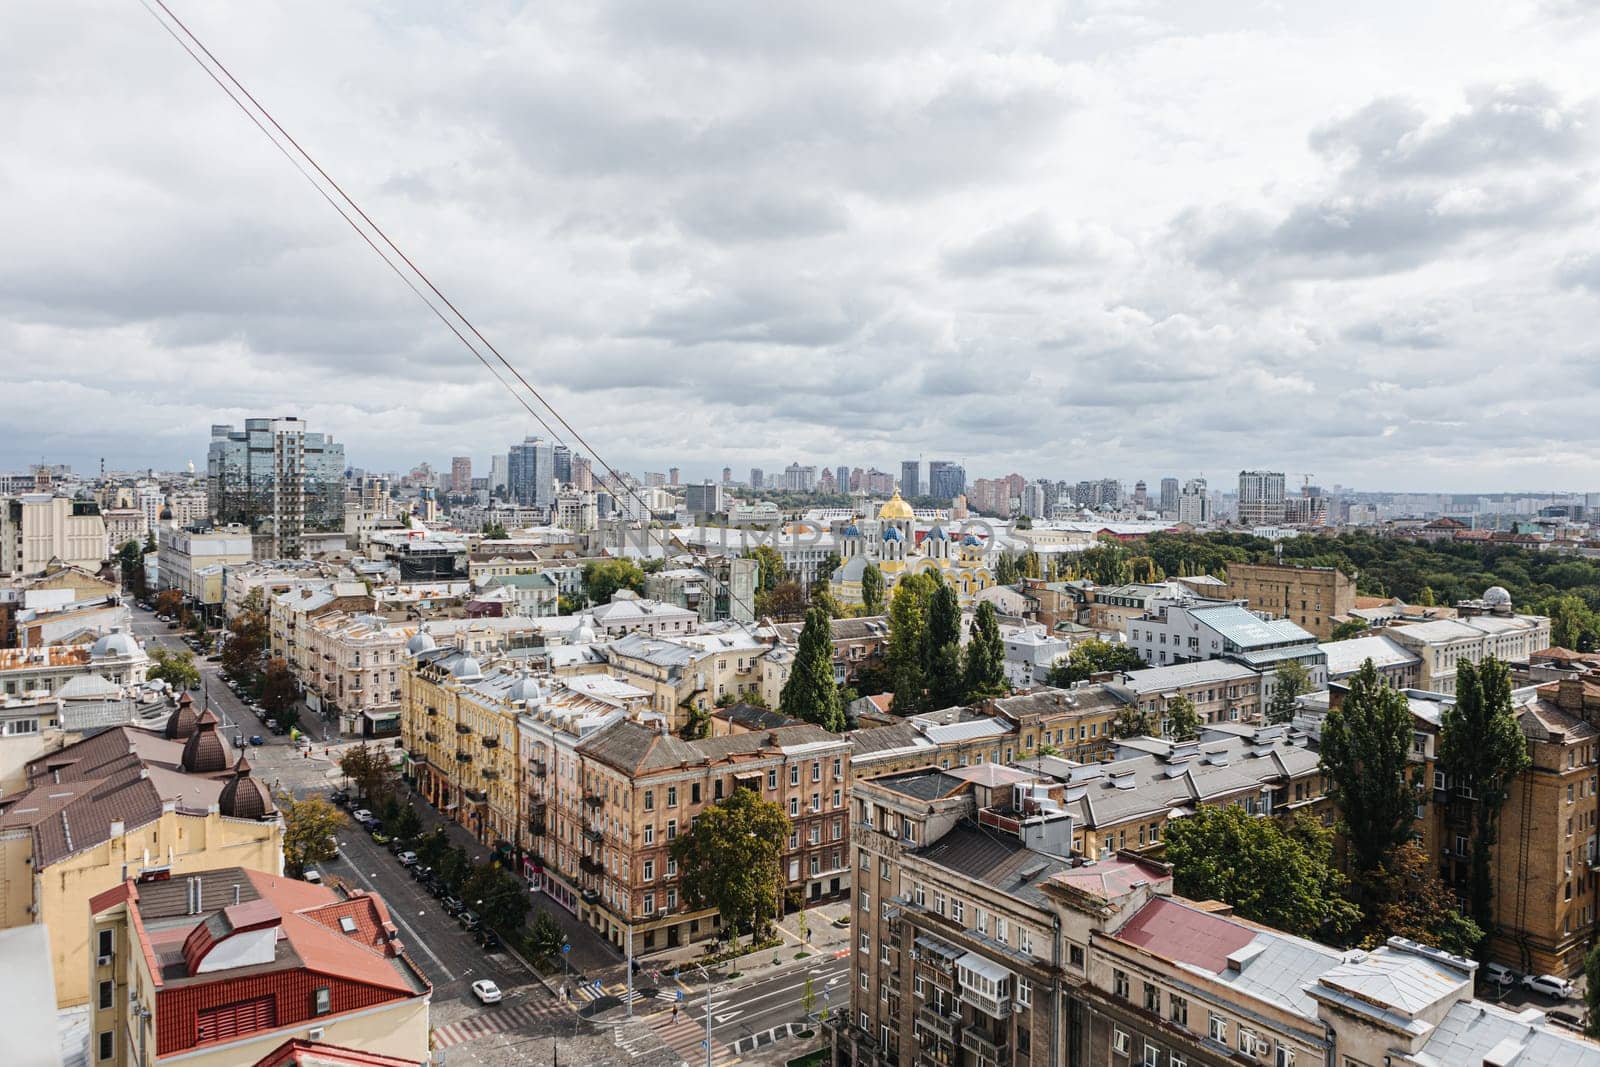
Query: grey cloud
{"type": "Point", "coordinates": [1515, 125]}
{"type": "Point", "coordinates": [1581, 272]}
{"type": "Point", "coordinates": [741, 213]}
{"type": "Point", "coordinates": [1032, 242]}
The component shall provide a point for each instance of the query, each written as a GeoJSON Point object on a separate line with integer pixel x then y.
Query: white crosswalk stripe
{"type": "Point", "coordinates": [687, 1036]}
{"type": "Point", "coordinates": [497, 1021]}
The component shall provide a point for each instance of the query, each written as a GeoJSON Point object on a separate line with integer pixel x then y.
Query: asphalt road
{"type": "Point", "coordinates": [739, 1009]}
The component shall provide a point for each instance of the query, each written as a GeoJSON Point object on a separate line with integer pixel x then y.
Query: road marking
{"type": "Point", "coordinates": [411, 934]}
{"type": "Point", "coordinates": [726, 1016]}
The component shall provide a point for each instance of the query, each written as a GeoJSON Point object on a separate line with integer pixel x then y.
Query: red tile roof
{"type": "Point", "coordinates": [1186, 934]}
{"type": "Point", "coordinates": [297, 1052]}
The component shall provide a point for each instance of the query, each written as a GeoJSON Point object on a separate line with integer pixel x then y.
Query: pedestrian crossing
{"type": "Point", "coordinates": [686, 1036]}
{"type": "Point", "coordinates": [619, 990]}
{"type": "Point", "coordinates": [498, 1020]}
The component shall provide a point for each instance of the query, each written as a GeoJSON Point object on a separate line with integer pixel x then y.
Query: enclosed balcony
{"type": "Point", "coordinates": [593, 835]}
{"type": "Point", "coordinates": [491, 775]}
{"type": "Point", "coordinates": [491, 742]}
{"type": "Point", "coordinates": [985, 985]}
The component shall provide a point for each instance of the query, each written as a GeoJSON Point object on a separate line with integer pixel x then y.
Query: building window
{"type": "Point", "coordinates": [1152, 998]}
{"type": "Point", "coordinates": [1119, 1040]}
{"type": "Point", "coordinates": [1075, 957]}
{"type": "Point", "coordinates": [105, 994]}
{"type": "Point", "coordinates": [107, 1045]}
{"type": "Point", "coordinates": [649, 835]}
{"type": "Point", "coordinates": [324, 1000]}
{"type": "Point", "coordinates": [958, 909]}
{"type": "Point", "coordinates": [919, 987]}
{"type": "Point", "coordinates": [1178, 1009]}
{"type": "Point", "coordinates": [1285, 1057]}
{"type": "Point", "coordinates": [1119, 984]}
{"type": "Point", "coordinates": [794, 807]}
{"type": "Point", "coordinates": [772, 778]}
{"type": "Point", "coordinates": [1219, 1029]}
{"type": "Point", "coordinates": [105, 942]}
{"type": "Point", "coordinates": [649, 903]}
{"type": "Point", "coordinates": [1024, 992]}
{"type": "Point", "coordinates": [1152, 1055]}
{"type": "Point", "coordinates": [794, 774]}
{"type": "Point", "coordinates": [672, 796]}
{"type": "Point", "coordinates": [866, 942]}
{"type": "Point", "coordinates": [649, 870]}
{"type": "Point", "coordinates": [866, 900]}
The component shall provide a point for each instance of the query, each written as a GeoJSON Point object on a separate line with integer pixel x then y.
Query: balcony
{"type": "Point", "coordinates": [536, 826]}
{"type": "Point", "coordinates": [942, 1026]}
{"type": "Point", "coordinates": [463, 757]}
{"type": "Point", "coordinates": [430, 736]}
{"type": "Point", "coordinates": [538, 767]}
{"type": "Point", "coordinates": [536, 807]}
{"type": "Point", "coordinates": [491, 742]}
{"type": "Point", "coordinates": [590, 865]}
{"type": "Point", "coordinates": [490, 774]}
{"type": "Point", "coordinates": [983, 1045]}
{"type": "Point", "coordinates": [463, 728]}
{"type": "Point", "coordinates": [590, 896]}
{"type": "Point", "coordinates": [998, 1007]}
{"type": "Point", "coordinates": [594, 800]}
{"type": "Point", "coordinates": [433, 711]}
{"type": "Point", "coordinates": [475, 796]}
{"type": "Point", "coordinates": [593, 835]}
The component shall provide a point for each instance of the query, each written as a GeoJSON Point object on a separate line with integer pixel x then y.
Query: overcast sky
{"type": "Point", "coordinates": [1128, 239]}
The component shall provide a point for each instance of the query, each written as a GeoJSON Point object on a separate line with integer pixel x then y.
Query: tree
{"type": "Point", "coordinates": [308, 829]}
{"type": "Point", "coordinates": [1344, 631]}
{"type": "Point", "coordinates": [1005, 569]}
{"type": "Point", "coordinates": [810, 693]}
{"type": "Point", "coordinates": [545, 938]}
{"type": "Point", "coordinates": [872, 589]}
{"type": "Point", "coordinates": [769, 568]}
{"type": "Point", "coordinates": [169, 602]}
{"type": "Point", "coordinates": [784, 601]}
{"type": "Point", "coordinates": [495, 532]}
{"type": "Point", "coordinates": [829, 564]}
{"type": "Point", "coordinates": [729, 860]}
{"type": "Point", "coordinates": [808, 998]}
{"type": "Point", "coordinates": [407, 823]}
{"type": "Point", "coordinates": [1281, 876]}
{"type": "Point", "coordinates": [1183, 721]}
{"type": "Point", "coordinates": [176, 668]}
{"type": "Point", "coordinates": [499, 898]}
{"type": "Point", "coordinates": [1481, 750]}
{"type": "Point", "coordinates": [371, 771]}
{"type": "Point", "coordinates": [246, 640]}
{"type": "Point", "coordinates": [941, 646]}
{"type": "Point", "coordinates": [1572, 624]}
{"type": "Point", "coordinates": [1135, 721]}
{"type": "Point", "coordinates": [279, 692]}
{"type": "Point", "coordinates": [822, 597]}
{"type": "Point", "coordinates": [130, 559]}
{"type": "Point", "coordinates": [904, 658]}
{"type": "Point", "coordinates": [432, 847]}
{"type": "Point", "coordinates": [1366, 742]}
{"type": "Point", "coordinates": [455, 867]}
{"type": "Point", "coordinates": [1144, 569]}
{"type": "Point", "coordinates": [603, 577]}
{"type": "Point", "coordinates": [1290, 681]}
{"type": "Point", "coordinates": [1092, 657]}
{"type": "Point", "coordinates": [568, 605]}
{"type": "Point", "coordinates": [984, 667]}
{"type": "Point", "coordinates": [1424, 597]}
{"type": "Point", "coordinates": [1407, 898]}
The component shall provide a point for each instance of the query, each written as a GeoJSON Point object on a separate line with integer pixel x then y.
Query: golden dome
{"type": "Point", "coordinates": [895, 508]}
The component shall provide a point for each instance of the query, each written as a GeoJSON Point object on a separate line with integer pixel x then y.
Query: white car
{"type": "Point", "coordinates": [1549, 985]}
{"type": "Point", "coordinates": [361, 815]}
{"type": "Point", "coordinates": [1498, 974]}
{"type": "Point", "coordinates": [407, 858]}
{"type": "Point", "coordinates": [486, 991]}
{"type": "Point", "coordinates": [312, 875]}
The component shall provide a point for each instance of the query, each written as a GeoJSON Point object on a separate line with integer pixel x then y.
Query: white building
{"type": "Point", "coordinates": [1030, 654]}
{"type": "Point", "coordinates": [1183, 632]}
{"type": "Point", "coordinates": [36, 528]}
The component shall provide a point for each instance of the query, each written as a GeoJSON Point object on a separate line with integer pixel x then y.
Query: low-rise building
{"type": "Point", "coordinates": [1075, 723]}
{"type": "Point", "coordinates": [1397, 664]}
{"type": "Point", "coordinates": [627, 614]}
{"type": "Point", "coordinates": [1221, 690]}
{"type": "Point", "coordinates": [126, 802]}
{"type": "Point", "coordinates": [690, 673]}
{"type": "Point", "coordinates": [226, 965]}
{"type": "Point", "coordinates": [1443, 645]}
{"type": "Point", "coordinates": [1309, 596]}
{"type": "Point", "coordinates": [193, 561]}
{"type": "Point", "coordinates": [117, 657]}
{"type": "Point", "coordinates": [1031, 653]}
{"type": "Point", "coordinates": [531, 595]}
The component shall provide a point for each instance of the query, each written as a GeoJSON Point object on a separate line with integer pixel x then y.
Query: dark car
{"type": "Point", "coordinates": [340, 797]}
{"type": "Point", "coordinates": [374, 826]}
{"type": "Point", "coordinates": [437, 888]}
{"type": "Point", "coordinates": [469, 920]}
{"type": "Point", "coordinates": [255, 739]}
{"type": "Point", "coordinates": [421, 873]}
{"type": "Point", "coordinates": [396, 846]}
{"type": "Point", "coordinates": [488, 939]}
{"type": "Point", "coordinates": [453, 905]}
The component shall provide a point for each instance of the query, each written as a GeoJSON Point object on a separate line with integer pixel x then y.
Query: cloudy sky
{"type": "Point", "coordinates": [1075, 239]}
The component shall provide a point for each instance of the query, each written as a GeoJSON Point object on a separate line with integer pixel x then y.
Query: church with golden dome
{"type": "Point", "coordinates": [892, 543]}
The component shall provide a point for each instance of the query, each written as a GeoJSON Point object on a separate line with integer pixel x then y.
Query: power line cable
{"type": "Point", "coordinates": [616, 477]}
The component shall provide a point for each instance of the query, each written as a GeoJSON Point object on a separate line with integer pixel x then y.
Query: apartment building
{"type": "Point", "coordinates": [39, 528]}
{"type": "Point", "coordinates": [291, 612]}
{"type": "Point", "coordinates": [858, 645]}
{"type": "Point", "coordinates": [689, 672]}
{"type": "Point", "coordinates": [1220, 690]}
{"type": "Point", "coordinates": [126, 802]}
{"type": "Point", "coordinates": [1075, 722]}
{"type": "Point", "coordinates": [117, 657]}
{"type": "Point", "coordinates": [954, 737]}
{"type": "Point", "coordinates": [227, 965]}
{"type": "Point", "coordinates": [1184, 631]}
{"type": "Point", "coordinates": [1309, 596]}
{"type": "Point", "coordinates": [354, 668]}
{"type": "Point", "coordinates": [627, 790]}
{"type": "Point", "coordinates": [628, 614]}
{"type": "Point", "coordinates": [193, 562]}
{"type": "Point", "coordinates": [1395, 663]}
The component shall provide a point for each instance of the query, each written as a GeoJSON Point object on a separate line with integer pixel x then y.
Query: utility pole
{"type": "Point", "coordinates": [630, 970]}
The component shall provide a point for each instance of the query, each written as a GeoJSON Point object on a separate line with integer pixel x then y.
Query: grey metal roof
{"type": "Point", "coordinates": [1179, 675]}
{"type": "Point", "coordinates": [922, 785]}
{"type": "Point", "coordinates": [1346, 657]}
{"type": "Point", "coordinates": [1245, 629]}
{"type": "Point", "coordinates": [1471, 1029]}
{"type": "Point", "coordinates": [995, 859]}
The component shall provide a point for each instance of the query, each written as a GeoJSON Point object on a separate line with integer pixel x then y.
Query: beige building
{"type": "Point", "coordinates": [192, 561]}
{"type": "Point", "coordinates": [123, 525]}
{"type": "Point", "coordinates": [126, 802]}
{"type": "Point", "coordinates": [354, 667]}
{"type": "Point", "coordinates": [1444, 644]}
{"type": "Point", "coordinates": [618, 802]}
{"type": "Point", "coordinates": [1309, 596]}
{"type": "Point", "coordinates": [1220, 690]}
{"type": "Point", "coordinates": [689, 672]}
{"type": "Point", "coordinates": [291, 612]}
{"type": "Point", "coordinates": [1075, 723]}
{"type": "Point", "coordinates": [36, 528]}
{"type": "Point", "coordinates": [224, 966]}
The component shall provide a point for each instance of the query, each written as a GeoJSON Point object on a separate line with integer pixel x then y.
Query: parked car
{"type": "Point", "coordinates": [1569, 1019]}
{"type": "Point", "coordinates": [397, 846]}
{"type": "Point", "coordinates": [1499, 977]}
{"type": "Point", "coordinates": [407, 858]}
{"type": "Point", "coordinates": [453, 905]}
{"type": "Point", "coordinates": [486, 991]}
{"type": "Point", "coordinates": [469, 920]}
{"type": "Point", "coordinates": [421, 873]}
{"type": "Point", "coordinates": [437, 888]}
{"type": "Point", "coordinates": [1548, 985]}
{"type": "Point", "coordinates": [362, 816]}
{"type": "Point", "coordinates": [378, 836]}
{"type": "Point", "coordinates": [312, 875]}
{"type": "Point", "coordinates": [255, 739]}
{"type": "Point", "coordinates": [488, 939]}
{"type": "Point", "coordinates": [340, 797]}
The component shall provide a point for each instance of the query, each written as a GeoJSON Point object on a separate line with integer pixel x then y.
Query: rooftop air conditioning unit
{"type": "Point", "coordinates": [103, 961]}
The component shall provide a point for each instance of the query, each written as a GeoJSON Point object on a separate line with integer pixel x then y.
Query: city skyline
{"type": "Point", "coordinates": [1337, 278]}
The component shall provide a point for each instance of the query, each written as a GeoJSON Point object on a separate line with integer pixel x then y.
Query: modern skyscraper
{"type": "Point", "coordinates": [727, 475]}
{"type": "Point", "coordinates": [946, 479]}
{"type": "Point", "coordinates": [277, 478]}
{"type": "Point", "coordinates": [911, 477]}
{"type": "Point", "coordinates": [672, 475]}
{"type": "Point", "coordinates": [1141, 495]}
{"type": "Point", "coordinates": [531, 474]}
{"type": "Point", "coordinates": [756, 479]}
{"type": "Point", "coordinates": [841, 479]}
{"type": "Point", "coordinates": [1169, 497]}
{"type": "Point", "coordinates": [582, 474]}
{"type": "Point", "coordinates": [461, 474]}
{"type": "Point", "coordinates": [563, 464]}
{"type": "Point", "coordinates": [1260, 498]}
{"type": "Point", "coordinates": [499, 467]}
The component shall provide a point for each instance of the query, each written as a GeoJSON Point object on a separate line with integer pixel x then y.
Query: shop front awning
{"type": "Point", "coordinates": [381, 716]}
